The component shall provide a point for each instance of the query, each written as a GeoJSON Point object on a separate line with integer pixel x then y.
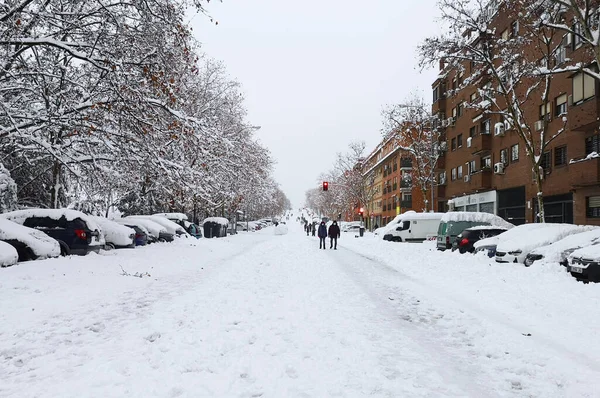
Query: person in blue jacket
{"type": "Point", "coordinates": [322, 235]}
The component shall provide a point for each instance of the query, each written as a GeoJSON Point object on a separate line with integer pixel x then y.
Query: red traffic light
{"type": "Point", "coordinates": [325, 185]}
{"type": "Point", "coordinates": [361, 211]}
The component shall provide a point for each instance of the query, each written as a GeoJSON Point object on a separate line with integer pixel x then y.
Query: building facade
{"type": "Point", "coordinates": [485, 165]}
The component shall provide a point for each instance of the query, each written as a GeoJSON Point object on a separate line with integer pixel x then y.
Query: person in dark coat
{"type": "Point", "coordinates": [334, 234]}
{"type": "Point", "coordinates": [308, 229]}
{"type": "Point", "coordinates": [322, 235]}
{"type": "Point", "coordinates": [314, 228]}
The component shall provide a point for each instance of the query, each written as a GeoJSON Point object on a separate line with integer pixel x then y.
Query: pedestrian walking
{"type": "Point", "coordinates": [308, 229]}
{"type": "Point", "coordinates": [314, 228]}
{"type": "Point", "coordinates": [322, 235]}
{"type": "Point", "coordinates": [334, 234]}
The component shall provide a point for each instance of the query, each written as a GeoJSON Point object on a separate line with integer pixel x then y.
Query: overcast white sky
{"type": "Point", "coordinates": [316, 73]}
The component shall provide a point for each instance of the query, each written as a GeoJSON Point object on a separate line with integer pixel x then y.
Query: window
{"type": "Point", "coordinates": [454, 112]}
{"type": "Point", "coordinates": [514, 28]}
{"type": "Point", "coordinates": [561, 105]}
{"type": "Point", "coordinates": [472, 131]}
{"type": "Point", "coordinates": [453, 174]}
{"type": "Point", "coordinates": [485, 126]}
{"type": "Point", "coordinates": [592, 206]}
{"type": "Point", "coordinates": [584, 87]}
{"type": "Point", "coordinates": [459, 140]}
{"type": "Point", "coordinates": [546, 162]}
{"type": "Point", "coordinates": [545, 111]}
{"type": "Point", "coordinates": [592, 144]}
{"type": "Point", "coordinates": [505, 34]}
{"type": "Point", "coordinates": [486, 162]}
{"type": "Point", "coordinates": [407, 196]}
{"type": "Point", "coordinates": [504, 156]}
{"type": "Point", "coordinates": [459, 109]}
{"type": "Point", "coordinates": [561, 55]}
{"type": "Point", "coordinates": [471, 168]}
{"type": "Point", "coordinates": [442, 178]}
{"type": "Point", "coordinates": [453, 145]}
{"type": "Point", "coordinates": [577, 41]}
{"type": "Point", "coordinates": [436, 93]}
{"type": "Point", "coordinates": [473, 96]}
{"type": "Point", "coordinates": [514, 153]}
{"type": "Point", "coordinates": [459, 173]}
{"type": "Point", "coordinates": [560, 156]}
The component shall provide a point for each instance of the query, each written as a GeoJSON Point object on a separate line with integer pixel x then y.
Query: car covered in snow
{"type": "Point", "coordinates": [559, 251]}
{"type": "Point", "coordinates": [76, 232]}
{"type": "Point", "coordinates": [116, 235]}
{"type": "Point", "coordinates": [466, 240]}
{"type": "Point", "coordinates": [29, 243]}
{"type": "Point", "coordinates": [584, 264]}
{"type": "Point", "coordinates": [156, 232]}
{"type": "Point", "coordinates": [414, 227]}
{"type": "Point", "coordinates": [516, 244]}
{"type": "Point", "coordinates": [454, 222]}
{"type": "Point", "coordinates": [8, 255]}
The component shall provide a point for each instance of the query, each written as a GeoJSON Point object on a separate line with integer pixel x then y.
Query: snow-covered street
{"type": "Point", "coordinates": [261, 315]}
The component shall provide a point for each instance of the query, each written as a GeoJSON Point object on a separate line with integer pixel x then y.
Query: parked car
{"type": "Point", "coordinates": [8, 255]}
{"type": "Point", "coordinates": [487, 245]}
{"type": "Point", "coordinates": [559, 251]}
{"type": "Point", "coordinates": [75, 232]}
{"type": "Point", "coordinates": [172, 227]}
{"type": "Point", "coordinates": [141, 234]}
{"type": "Point", "coordinates": [454, 222]}
{"type": "Point", "coordinates": [116, 236]}
{"type": "Point", "coordinates": [192, 229]}
{"type": "Point", "coordinates": [29, 243]}
{"type": "Point", "coordinates": [466, 239]}
{"type": "Point", "coordinates": [584, 264]}
{"type": "Point", "coordinates": [152, 229]}
{"type": "Point", "coordinates": [415, 227]}
{"type": "Point", "coordinates": [514, 245]}
{"type": "Point", "coordinates": [352, 228]}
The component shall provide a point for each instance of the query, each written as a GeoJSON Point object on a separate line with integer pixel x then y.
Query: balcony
{"type": "Point", "coordinates": [405, 184]}
{"type": "Point", "coordinates": [481, 180]}
{"type": "Point", "coordinates": [481, 144]}
{"type": "Point", "coordinates": [405, 163]}
{"type": "Point", "coordinates": [585, 173]}
{"type": "Point", "coordinates": [406, 204]}
{"type": "Point", "coordinates": [583, 116]}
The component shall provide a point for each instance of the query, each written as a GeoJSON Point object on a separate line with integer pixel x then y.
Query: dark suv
{"type": "Point", "coordinates": [74, 236]}
{"type": "Point", "coordinates": [465, 240]}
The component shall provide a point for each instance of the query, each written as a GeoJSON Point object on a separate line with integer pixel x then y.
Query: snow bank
{"type": "Point", "coordinates": [218, 220]}
{"type": "Point", "coordinates": [42, 245]}
{"type": "Point", "coordinates": [522, 238]}
{"type": "Point", "coordinates": [281, 229]}
{"type": "Point", "coordinates": [8, 255]}
{"type": "Point", "coordinates": [474, 216]}
{"type": "Point", "coordinates": [115, 233]}
{"type": "Point", "coordinates": [558, 251]}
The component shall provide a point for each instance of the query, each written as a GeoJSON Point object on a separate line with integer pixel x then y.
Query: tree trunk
{"type": "Point", "coordinates": [540, 197]}
{"type": "Point", "coordinates": [55, 189]}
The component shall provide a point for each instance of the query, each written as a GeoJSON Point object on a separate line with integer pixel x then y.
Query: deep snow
{"type": "Point", "coordinates": [260, 314]}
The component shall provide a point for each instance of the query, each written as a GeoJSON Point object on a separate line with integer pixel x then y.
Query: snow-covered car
{"type": "Point", "coordinates": [116, 235]}
{"type": "Point", "coordinates": [171, 226]}
{"type": "Point", "coordinates": [76, 232]}
{"type": "Point", "coordinates": [8, 255]}
{"type": "Point", "coordinates": [154, 229]}
{"type": "Point", "coordinates": [352, 228]}
{"type": "Point", "coordinates": [487, 245]}
{"type": "Point", "coordinates": [516, 244]}
{"type": "Point", "coordinates": [584, 264]}
{"type": "Point", "coordinates": [465, 241]}
{"type": "Point", "coordinates": [454, 222]}
{"type": "Point", "coordinates": [30, 243]}
{"type": "Point", "coordinates": [559, 251]}
{"type": "Point", "coordinates": [346, 226]}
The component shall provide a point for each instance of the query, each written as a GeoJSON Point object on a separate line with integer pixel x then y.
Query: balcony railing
{"type": "Point", "coordinates": [481, 179]}
{"type": "Point", "coordinates": [583, 115]}
{"type": "Point", "coordinates": [481, 143]}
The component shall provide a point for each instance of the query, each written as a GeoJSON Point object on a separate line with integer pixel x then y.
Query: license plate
{"type": "Point", "coordinates": [577, 269]}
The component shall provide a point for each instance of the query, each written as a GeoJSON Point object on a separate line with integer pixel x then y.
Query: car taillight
{"type": "Point", "coordinates": [81, 234]}
{"type": "Point", "coordinates": [447, 240]}
{"type": "Point", "coordinates": [138, 236]}
{"type": "Point", "coordinates": [464, 242]}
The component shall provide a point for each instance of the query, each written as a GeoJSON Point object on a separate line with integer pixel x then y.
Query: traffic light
{"type": "Point", "coordinates": [361, 211]}
{"type": "Point", "coordinates": [325, 185]}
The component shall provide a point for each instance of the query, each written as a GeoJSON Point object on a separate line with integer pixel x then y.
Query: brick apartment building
{"type": "Point", "coordinates": [389, 169]}
{"type": "Point", "coordinates": [485, 167]}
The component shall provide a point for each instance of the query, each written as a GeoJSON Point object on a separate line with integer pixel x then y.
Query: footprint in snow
{"type": "Point", "coordinates": [153, 337]}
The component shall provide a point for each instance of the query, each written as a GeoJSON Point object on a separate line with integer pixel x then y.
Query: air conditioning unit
{"type": "Point", "coordinates": [442, 181]}
{"type": "Point", "coordinates": [539, 125]}
{"type": "Point", "coordinates": [499, 168]}
{"type": "Point", "coordinates": [444, 146]}
{"type": "Point", "coordinates": [499, 129]}
{"type": "Point", "coordinates": [467, 178]}
{"type": "Point", "coordinates": [445, 123]}
{"type": "Point", "coordinates": [469, 141]}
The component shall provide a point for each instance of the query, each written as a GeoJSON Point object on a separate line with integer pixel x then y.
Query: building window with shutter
{"type": "Point", "coordinates": [459, 140]}
{"type": "Point", "coordinates": [485, 126]}
{"type": "Point", "coordinates": [459, 172]}
{"type": "Point", "coordinates": [504, 156]}
{"type": "Point", "coordinates": [486, 162]}
{"type": "Point", "coordinates": [471, 166]}
{"type": "Point", "coordinates": [560, 156]}
{"type": "Point", "coordinates": [514, 153]}
{"type": "Point", "coordinates": [592, 206]}
{"type": "Point", "coordinates": [545, 111]}
{"type": "Point", "coordinates": [592, 144]}
{"type": "Point", "coordinates": [561, 105]}
{"type": "Point", "coordinates": [453, 174]}
{"type": "Point", "coordinates": [453, 146]}
{"type": "Point", "coordinates": [546, 162]}
{"type": "Point", "coordinates": [472, 131]}
{"type": "Point", "coordinates": [584, 87]}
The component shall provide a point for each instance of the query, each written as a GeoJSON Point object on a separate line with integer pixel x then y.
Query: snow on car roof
{"type": "Point", "coordinates": [420, 216]}
{"type": "Point", "coordinates": [474, 216]}
{"type": "Point", "coordinates": [491, 241]}
{"type": "Point", "coordinates": [42, 245]}
{"type": "Point", "coordinates": [588, 252]}
{"type": "Point", "coordinates": [173, 216]}
{"type": "Point", "coordinates": [522, 238]}
{"type": "Point", "coordinates": [552, 251]}
{"type": "Point", "coordinates": [20, 216]}
{"type": "Point", "coordinates": [218, 220]}
{"type": "Point", "coordinates": [480, 227]}
{"type": "Point", "coordinates": [114, 232]}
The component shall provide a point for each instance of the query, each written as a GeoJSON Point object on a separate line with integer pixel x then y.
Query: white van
{"type": "Point", "coordinates": [415, 227]}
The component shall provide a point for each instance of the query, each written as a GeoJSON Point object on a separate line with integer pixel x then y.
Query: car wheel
{"type": "Point", "coordinates": [109, 246]}
{"type": "Point", "coordinates": [64, 249]}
